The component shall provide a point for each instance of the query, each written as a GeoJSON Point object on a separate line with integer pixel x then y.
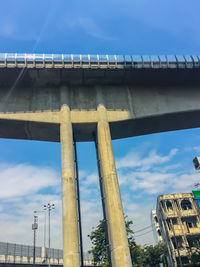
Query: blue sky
{"type": "Point", "coordinates": [147, 165]}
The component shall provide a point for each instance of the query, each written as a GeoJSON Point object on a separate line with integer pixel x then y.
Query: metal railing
{"type": "Point", "coordinates": [19, 60]}
{"type": "Point", "coordinates": [18, 250]}
{"type": "Point", "coordinates": [16, 253]}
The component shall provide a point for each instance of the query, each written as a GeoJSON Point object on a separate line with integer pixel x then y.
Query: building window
{"type": "Point", "coordinates": [178, 241]}
{"type": "Point", "coordinates": [186, 204]}
{"type": "Point", "coordinates": [156, 219]}
{"type": "Point", "coordinates": [193, 242]}
{"type": "Point", "coordinates": [159, 233]}
{"type": "Point", "coordinates": [174, 221]}
{"type": "Point", "coordinates": [191, 222]}
{"type": "Point", "coordinates": [169, 206]}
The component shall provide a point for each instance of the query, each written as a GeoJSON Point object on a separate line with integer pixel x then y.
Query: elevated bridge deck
{"type": "Point", "coordinates": [56, 97]}
{"type": "Point", "coordinates": [143, 94]}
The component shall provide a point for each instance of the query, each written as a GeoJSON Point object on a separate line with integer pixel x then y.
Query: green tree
{"type": "Point", "coordinates": [152, 255]}
{"type": "Point", "coordinates": [99, 249]}
{"type": "Point", "coordinates": [146, 256]}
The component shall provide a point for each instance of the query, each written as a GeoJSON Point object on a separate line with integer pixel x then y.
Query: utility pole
{"type": "Point", "coordinates": [43, 211]}
{"type": "Point", "coordinates": [45, 216]}
{"type": "Point", "coordinates": [49, 207]}
{"type": "Point", "coordinates": [34, 228]}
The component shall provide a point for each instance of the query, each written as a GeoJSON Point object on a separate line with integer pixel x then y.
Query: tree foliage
{"type": "Point", "coordinates": [152, 254]}
{"type": "Point", "coordinates": [146, 256]}
{"type": "Point", "coordinates": [99, 249]}
{"type": "Point", "coordinates": [194, 256]}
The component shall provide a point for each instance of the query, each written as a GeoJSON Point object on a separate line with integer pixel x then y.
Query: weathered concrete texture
{"type": "Point", "coordinates": [120, 254]}
{"type": "Point", "coordinates": [131, 110]}
{"type": "Point", "coordinates": [71, 255]}
{"type": "Point", "coordinates": [35, 105]}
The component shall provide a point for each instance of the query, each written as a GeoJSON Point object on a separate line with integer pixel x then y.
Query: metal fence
{"type": "Point", "coordinates": [54, 253]}
{"type": "Point", "coordinates": [18, 250]}
{"type": "Point", "coordinates": [97, 61]}
{"type": "Point", "coordinates": [16, 253]}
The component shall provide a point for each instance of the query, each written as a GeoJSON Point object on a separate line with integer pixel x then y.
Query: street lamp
{"type": "Point", "coordinates": [34, 228]}
{"type": "Point", "coordinates": [49, 207]}
{"type": "Point", "coordinates": [43, 211]}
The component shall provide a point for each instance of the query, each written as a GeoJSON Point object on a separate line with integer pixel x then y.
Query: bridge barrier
{"type": "Point", "coordinates": [18, 60]}
{"type": "Point", "coordinates": [11, 253]}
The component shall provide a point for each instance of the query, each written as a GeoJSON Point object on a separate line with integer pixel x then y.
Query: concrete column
{"type": "Point", "coordinates": [43, 254]}
{"type": "Point", "coordinates": [69, 204]}
{"type": "Point", "coordinates": [120, 254]}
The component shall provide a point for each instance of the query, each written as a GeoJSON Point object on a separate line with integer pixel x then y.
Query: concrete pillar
{"type": "Point", "coordinates": [69, 204]}
{"type": "Point", "coordinates": [120, 254]}
{"type": "Point", "coordinates": [43, 254]}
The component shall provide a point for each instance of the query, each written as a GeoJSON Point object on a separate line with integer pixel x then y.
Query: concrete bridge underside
{"type": "Point", "coordinates": [138, 102]}
{"type": "Point", "coordinates": [53, 104]}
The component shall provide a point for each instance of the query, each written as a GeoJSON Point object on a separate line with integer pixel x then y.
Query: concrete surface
{"type": "Point", "coordinates": [53, 104]}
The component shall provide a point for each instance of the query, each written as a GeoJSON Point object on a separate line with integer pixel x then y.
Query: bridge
{"type": "Point", "coordinates": [67, 98]}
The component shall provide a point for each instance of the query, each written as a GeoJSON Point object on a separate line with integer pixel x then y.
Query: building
{"type": "Point", "coordinates": [156, 227]}
{"type": "Point", "coordinates": [179, 219]}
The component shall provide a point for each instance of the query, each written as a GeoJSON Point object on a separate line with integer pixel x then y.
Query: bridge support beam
{"type": "Point", "coordinates": [70, 221]}
{"type": "Point", "coordinates": [120, 254]}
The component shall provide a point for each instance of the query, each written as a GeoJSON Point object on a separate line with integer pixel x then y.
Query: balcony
{"type": "Point", "coordinates": [188, 213]}
{"type": "Point", "coordinates": [177, 231]}
{"type": "Point", "coordinates": [170, 214]}
{"type": "Point", "coordinates": [194, 230]}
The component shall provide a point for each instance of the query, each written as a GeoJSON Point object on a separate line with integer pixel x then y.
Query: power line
{"type": "Point", "coordinates": [144, 233]}
{"type": "Point", "coordinates": [143, 229]}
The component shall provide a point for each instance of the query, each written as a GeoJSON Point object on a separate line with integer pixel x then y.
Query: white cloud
{"type": "Point", "coordinates": [194, 148]}
{"type": "Point", "coordinates": [154, 174]}
{"type": "Point", "coordinates": [20, 180]}
{"type": "Point", "coordinates": [132, 159]}
{"type": "Point", "coordinates": [167, 168]}
{"type": "Point", "coordinates": [20, 196]}
{"type": "Point", "coordinates": [16, 220]}
{"type": "Point", "coordinates": [150, 182]}
{"type": "Point", "coordinates": [185, 182]}
{"type": "Point", "coordinates": [142, 178]}
{"type": "Point", "coordinates": [25, 188]}
{"type": "Point", "coordinates": [90, 179]}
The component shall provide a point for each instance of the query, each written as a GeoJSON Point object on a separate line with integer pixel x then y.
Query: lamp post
{"type": "Point", "coordinates": [34, 228]}
{"type": "Point", "coordinates": [43, 211]}
{"type": "Point", "coordinates": [49, 207]}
